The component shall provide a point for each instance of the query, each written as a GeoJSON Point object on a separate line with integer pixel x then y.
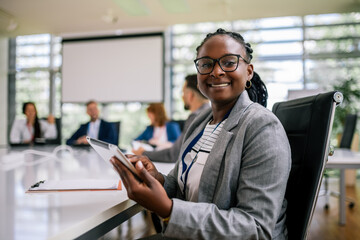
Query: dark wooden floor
{"type": "Point", "coordinates": [138, 226]}
{"type": "Point", "coordinates": [324, 225]}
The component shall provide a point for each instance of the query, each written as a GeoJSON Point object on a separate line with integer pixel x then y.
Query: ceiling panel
{"type": "Point", "coordinates": [66, 17]}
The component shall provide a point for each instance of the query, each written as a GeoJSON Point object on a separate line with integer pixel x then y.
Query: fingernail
{"type": "Point", "coordinates": [140, 165]}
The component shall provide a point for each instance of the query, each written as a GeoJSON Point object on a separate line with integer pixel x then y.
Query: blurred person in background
{"type": "Point", "coordinates": [161, 133]}
{"type": "Point", "coordinates": [32, 129]}
{"type": "Point", "coordinates": [96, 128]}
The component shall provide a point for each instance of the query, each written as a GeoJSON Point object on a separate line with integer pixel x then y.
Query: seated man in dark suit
{"type": "Point", "coordinates": [96, 128]}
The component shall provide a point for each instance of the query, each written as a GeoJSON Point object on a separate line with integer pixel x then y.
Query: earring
{"type": "Point", "coordinates": [248, 84]}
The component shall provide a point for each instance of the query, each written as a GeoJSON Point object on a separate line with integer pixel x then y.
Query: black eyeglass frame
{"type": "Point", "coordinates": [218, 61]}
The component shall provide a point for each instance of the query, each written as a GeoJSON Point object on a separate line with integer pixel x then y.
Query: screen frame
{"type": "Point", "coordinates": [161, 93]}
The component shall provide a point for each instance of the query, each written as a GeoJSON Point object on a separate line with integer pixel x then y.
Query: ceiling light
{"type": "Point", "coordinates": [133, 7]}
{"type": "Point", "coordinates": [12, 25]}
{"type": "Point", "coordinates": [175, 6]}
{"type": "Point", "coordinates": [7, 21]}
{"type": "Point", "coordinates": [109, 17]}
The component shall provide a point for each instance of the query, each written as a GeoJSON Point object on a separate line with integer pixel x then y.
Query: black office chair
{"type": "Point", "coordinates": [349, 130]}
{"type": "Point", "coordinates": [180, 122]}
{"type": "Point", "coordinates": [57, 140]}
{"type": "Point", "coordinates": [308, 123]}
{"type": "Point", "coordinates": [345, 142]}
{"type": "Point", "coordinates": [117, 126]}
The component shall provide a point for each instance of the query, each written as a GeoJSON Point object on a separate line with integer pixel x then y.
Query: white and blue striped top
{"type": "Point", "coordinates": [199, 154]}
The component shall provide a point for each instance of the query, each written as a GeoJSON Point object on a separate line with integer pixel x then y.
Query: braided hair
{"type": "Point", "coordinates": [37, 130]}
{"type": "Point", "coordinates": [235, 36]}
{"type": "Point", "coordinates": [258, 91]}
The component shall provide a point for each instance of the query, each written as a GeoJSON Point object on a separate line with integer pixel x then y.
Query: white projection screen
{"type": "Point", "coordinates": [113, 69]}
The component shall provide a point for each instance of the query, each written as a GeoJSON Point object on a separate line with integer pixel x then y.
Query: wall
{"type": "Point", "coordinates": [3, 90]}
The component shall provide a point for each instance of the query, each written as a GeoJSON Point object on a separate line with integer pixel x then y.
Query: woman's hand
{"type": "Point", "coordinates": [149, 193]}
{"type": "Point", "coordinates": [149, 166]}
{"type": "Point", "coordinates": [82, 140]}
{"type": "Point", "coordinates": [138, 151]}
{"type": "Point", "coordinates": [51, 119]}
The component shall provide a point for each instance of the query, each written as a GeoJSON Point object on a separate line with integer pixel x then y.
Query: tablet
{"type": "Point", "coordinates": [108, 150]}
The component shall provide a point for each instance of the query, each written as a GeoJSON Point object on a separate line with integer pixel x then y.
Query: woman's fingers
{"type": "Point", "coordinates": [144, 174]}
{"type": "Point", "coordinates": [122, 174]}
{"type": "Point", "coordinates": [133, 158]}
{"type": "Point", "coordinates": [150, 193]}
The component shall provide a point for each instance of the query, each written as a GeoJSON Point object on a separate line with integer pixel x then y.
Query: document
{"type": "Point", "coordinates": [75, 185]}
{"type": "Point", "coordinates": [147, 147]}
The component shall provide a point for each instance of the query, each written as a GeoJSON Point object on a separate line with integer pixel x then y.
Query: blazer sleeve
{"type": "Point", "coordinates": [79, 133]}
{"type": "Point", "coordinates": [173, 131]}
{"type": "Point", "coordinates": [250, 202]}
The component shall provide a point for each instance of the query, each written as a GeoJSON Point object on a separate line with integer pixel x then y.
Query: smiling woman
{"type": "Point", "coordinates": [221, 176]}
{"type": "Point", "coordinates": [223, 91]}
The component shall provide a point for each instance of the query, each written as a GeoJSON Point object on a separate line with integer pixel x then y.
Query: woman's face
{"type": "Point", "coordinates": [219, 86]}
{"type": "Point", "coordinates": [151, 116]}
{"type": "Point", "coordinates": [30, 111]}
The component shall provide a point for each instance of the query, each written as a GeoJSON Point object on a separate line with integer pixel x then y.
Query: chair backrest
{"type": "Point", "coordinates": [308, 123]}
{"type": "Point", "coordinates": [117, 126]}
{"type": "Point", "coordinates": [181, 123]}
{"type": "Point", "coordinates": [57, 140]}
{"type": "Point", "coordinates": [349, 130]}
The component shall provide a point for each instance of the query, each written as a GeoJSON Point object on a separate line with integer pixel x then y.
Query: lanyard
{"type": "Point", "coordinates": [185, 168]}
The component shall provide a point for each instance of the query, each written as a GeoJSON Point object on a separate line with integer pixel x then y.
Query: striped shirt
{"type": "Point", "coordinates": [199, 154]}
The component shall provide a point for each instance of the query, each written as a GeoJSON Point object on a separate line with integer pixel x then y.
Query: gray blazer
{"type": "Point", "coordinates": [171, 154]}
{"type": "Point", "coordinates": [242, 187]}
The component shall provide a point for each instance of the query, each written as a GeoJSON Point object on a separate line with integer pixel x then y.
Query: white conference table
{"type": "Point", "coordinates": [58, 215]}
{"type": "Point", "coordinates": [343, 159]}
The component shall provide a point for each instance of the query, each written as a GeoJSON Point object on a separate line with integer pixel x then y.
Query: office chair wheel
{"type": "Point", "coordinates": [351, 205]}
{"type": "Point", "coordinates": [326, 207]}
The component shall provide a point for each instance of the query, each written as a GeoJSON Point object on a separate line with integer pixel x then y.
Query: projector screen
{"type": "Point", "coordinates": [113, 69]}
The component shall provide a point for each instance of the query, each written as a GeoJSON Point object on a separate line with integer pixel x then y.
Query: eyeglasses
{"type": "Point", "coordinates": [228, 63]}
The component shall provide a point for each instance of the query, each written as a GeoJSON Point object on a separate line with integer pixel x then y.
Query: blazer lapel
{"type": "Point", "coordinates": [210, 174]}
{"type": "Point", "coordinates": [212, 167]}
{"type": "Point", "coordinates": [195, 128]}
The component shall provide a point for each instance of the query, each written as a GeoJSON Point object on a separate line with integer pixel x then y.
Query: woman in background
{"type": "Point", "coordinates": [161, 133]}
{"type": "Point", "coordinates": [31, 128]}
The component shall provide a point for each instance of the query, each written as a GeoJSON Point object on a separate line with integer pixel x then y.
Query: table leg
{"type": "Point", "coordinates": [342, 213]}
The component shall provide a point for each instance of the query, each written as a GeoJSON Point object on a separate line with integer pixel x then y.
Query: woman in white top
{"type": "Point", "coordinates": [31, 128]}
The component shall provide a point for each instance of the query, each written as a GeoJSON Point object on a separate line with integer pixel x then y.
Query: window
{"type": "Point", "coordinates": [36, 76]}
{"type": "Point", "coordinates": [290, 53]}
{"type": "Point", "coordinates": [38, 79]}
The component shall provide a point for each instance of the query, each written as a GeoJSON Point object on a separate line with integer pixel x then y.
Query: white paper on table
{"type": "Point", "coordinates": [137, 144]}
{"type": "Point", "coordinates": [76, 185]}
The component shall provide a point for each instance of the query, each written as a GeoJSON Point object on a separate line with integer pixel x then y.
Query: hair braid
{"type": "Point", "coordinates": [235, 36]}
